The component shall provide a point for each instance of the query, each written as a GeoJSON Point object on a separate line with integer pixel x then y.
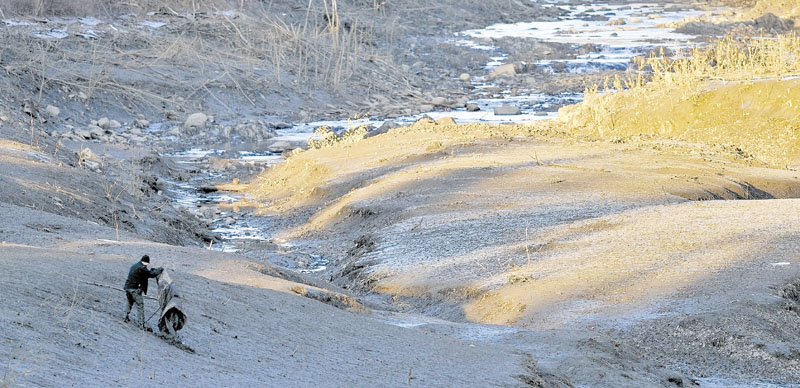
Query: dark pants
{"type": "Point", "coordinates": [135, 297]}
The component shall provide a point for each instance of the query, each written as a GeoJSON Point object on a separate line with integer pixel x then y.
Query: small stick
{"type": "Point", "coordinates": [410, 376]}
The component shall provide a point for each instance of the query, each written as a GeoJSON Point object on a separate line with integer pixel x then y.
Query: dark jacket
{"type": "Point", "coordinates": [138, 276]}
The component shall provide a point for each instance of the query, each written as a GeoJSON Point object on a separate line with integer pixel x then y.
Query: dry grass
{"type": "Point", "coordinates": [735, 93]}
{"type": "Point", "coordinates": [43, 8]}
{"type": "Point", "coordinates": [227, 60]}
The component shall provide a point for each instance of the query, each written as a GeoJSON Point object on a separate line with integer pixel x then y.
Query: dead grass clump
{"type": "Point", "coordinates": [221, 59]}
{"type": "Point", "coordinates": [735, 93]}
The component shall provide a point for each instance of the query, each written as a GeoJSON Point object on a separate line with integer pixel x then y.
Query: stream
{"type": "Point", "coordinates": [618, 32]}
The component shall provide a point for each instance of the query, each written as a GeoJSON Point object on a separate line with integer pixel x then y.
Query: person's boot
{"type": "Point", "coordinates": [126, 319]}
{"type": "Point", "coordinates": [147, 328]}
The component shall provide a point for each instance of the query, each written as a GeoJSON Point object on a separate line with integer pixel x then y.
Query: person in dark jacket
{"type": "Point", "coordinates": [136, 286]}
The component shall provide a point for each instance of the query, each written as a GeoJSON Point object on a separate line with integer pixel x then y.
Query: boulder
{"type": "Point", "coordinates": [95, 132]}
{"type": "Point", "coordinates": [438, 101]}
{"type": "Point", "coordinates": [507, 70]}
{"type": "Point", "coordinates": [52, 111]}
{"type": "Point", "coordinates": [507, 110]}
{"type": "Point", "coordinates": [196, 120]}
{"type": "Point", "coordinates": [387, 126]}
{"type": "Point", "coordinates": [473, 108]}
{"type": "Point", "coordinates": [773, 24]}
{"type": "Point", "coordinates": [104, 123]}
{"type": "Point", "coordinates": [465, 77]}
{"type": "Point", "coordinates": [141, 123]}
{"type": "Point", "coordinates": [114, 124]}
{"type": "Point", "coordinates": [83, 133]}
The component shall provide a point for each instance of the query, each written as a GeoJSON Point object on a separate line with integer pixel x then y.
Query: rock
{"type": "Point", "coordinates": [171, 115]}
{"type": "Point", "coordinates": [280, 147]}
{"type": "Point", "coordinates": [104, 123]}
{"type": "Point", "coordinates": [465, 77]}
{"type": "Point", "coordinates": [507, 110]}
{"type": "Point", "coordinates": [114, 124]}
{"type": "Point", "coordinates": [29, 108]}
{"type": "Point", "coordinates": [175, 131]}
{"type": "Point", "coordinates": [4, 118]}
{"type": "Point", "coordinates": [136, 131]}
{"type": "Point", "coordinates": [507, 70]}
{"type": "Point", "coordinates": [141, 123]}
{"type": "Point", "coordinates": [282, 125]}
{"type": "Point", "coordinates": [773, 24]}
{"type": "Point", "coordinates": [95, 132]}
{"type": "Point", "coordinates": [82, 96]}
{"type": "Point", "coordinates": [195, 120]}
{"type": "Point", "coordinates": [424, 120]}
{"type": "Point", "coordinates": [473, 108]}
{"type": "Point", "coordinates": [617, 22]}
{"type": "Point", "coordinates": [438, 101]}
{"type": "Point", "coordinates": [387, 126]}
{"type": "Point", "coordinates": [83, 133]}
{"type": "Point", "coordinates": [52, 111]}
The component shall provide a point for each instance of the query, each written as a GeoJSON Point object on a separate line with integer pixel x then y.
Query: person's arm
{"type": "Point", "coordinates": [155, 272]}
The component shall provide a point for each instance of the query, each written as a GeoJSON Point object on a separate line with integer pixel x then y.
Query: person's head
{"type": "Point", "coordinates": [145, 260]}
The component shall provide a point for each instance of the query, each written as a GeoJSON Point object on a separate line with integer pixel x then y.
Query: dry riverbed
{"type": "Point", "coordinates": [429, 254]}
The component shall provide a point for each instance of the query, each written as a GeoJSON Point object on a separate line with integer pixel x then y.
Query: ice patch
{"type": "Point", "coordinates": [152, 24]}
{"type": "Point", "coordinates": [52, 34]}
{"type": "Point", "coordinates": [16, 23]}
{"type": "Point", "coordinates": [90, 21]}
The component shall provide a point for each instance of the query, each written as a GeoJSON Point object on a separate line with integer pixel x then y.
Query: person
{"type": "Point", "coordinates": [136, 287]}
